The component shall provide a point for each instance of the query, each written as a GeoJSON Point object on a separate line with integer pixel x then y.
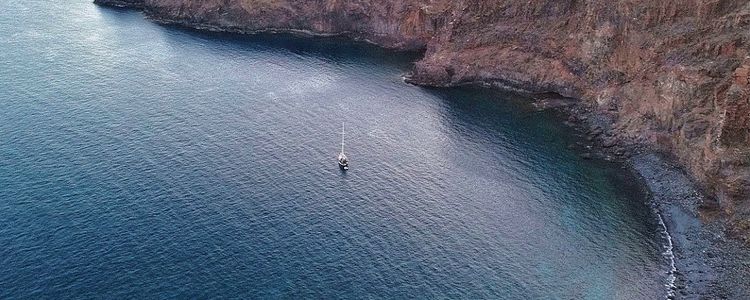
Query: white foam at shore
{"type": "Point", "coordinates": [669, 254]}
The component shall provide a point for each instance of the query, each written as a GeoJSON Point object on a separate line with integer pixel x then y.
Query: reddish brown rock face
{"type": "Point", "coordinates": [670, 73]}
{"type": "Point", "coordinates": [735, 130]}
{"type": "Point", "coordinates": [393, 24]}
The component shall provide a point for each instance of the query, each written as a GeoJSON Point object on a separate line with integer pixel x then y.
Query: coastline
{"type": "Point", "coordinates": [706, 262]}
{"type": "Point", "coordinates": [136, 4]}
{"type": "Point", "coordinates": [297, 32]}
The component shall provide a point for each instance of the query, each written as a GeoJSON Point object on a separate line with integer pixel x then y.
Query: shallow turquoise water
{"type": "Point", "coordinates": [142, 161]}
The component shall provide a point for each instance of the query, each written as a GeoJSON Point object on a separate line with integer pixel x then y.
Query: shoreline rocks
{"type": "Point", "coordinates": [708, 264]}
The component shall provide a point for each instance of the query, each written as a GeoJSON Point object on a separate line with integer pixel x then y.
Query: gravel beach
{"type": "Point", "coordinates": [707, 264]}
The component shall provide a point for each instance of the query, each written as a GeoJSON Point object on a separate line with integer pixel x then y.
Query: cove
{"type": "Point", "coordinates": [143, 161]}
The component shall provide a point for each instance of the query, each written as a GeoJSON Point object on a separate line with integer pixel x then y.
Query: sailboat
{"type": "Point", "coordinates": [343, 161]}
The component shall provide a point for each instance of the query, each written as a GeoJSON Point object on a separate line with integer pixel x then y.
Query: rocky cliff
{"type": "Point", "coordinates": [672, 74]}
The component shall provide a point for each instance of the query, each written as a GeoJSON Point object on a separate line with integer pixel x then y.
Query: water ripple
{"type": "Point", "coordinates": [141, 161]}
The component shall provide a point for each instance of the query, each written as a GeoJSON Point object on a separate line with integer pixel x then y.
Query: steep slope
{"type": "Point", "coordinates": [393, 24]}
{"type": "Point", "coordinates": [671, 74]}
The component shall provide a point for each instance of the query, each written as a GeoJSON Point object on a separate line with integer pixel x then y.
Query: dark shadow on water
{"type": "Point", "coordinates": [333, 48]}
{"type": "Point", "coordinates": [541, 138]}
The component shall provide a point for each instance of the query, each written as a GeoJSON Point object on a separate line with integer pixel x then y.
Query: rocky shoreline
{"type": "Point", "coordinates": [706, 261]}
{"type": "Point", "coordinates": [238, 30]}
{"type": "Point", "coordinates": [121, 3]}
{"type": "Point", "coordinates": [696, 210]}
{"type": "Point", "coordinates": [708, 264]}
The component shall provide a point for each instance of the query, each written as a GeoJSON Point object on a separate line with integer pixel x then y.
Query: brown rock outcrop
{"type": "Point", "coordinates": [673, 74]}
{"type": "Point", "coordinates": [404, 25]}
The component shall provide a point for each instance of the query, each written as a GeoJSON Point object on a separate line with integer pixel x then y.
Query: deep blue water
{"type": "Point", "coordinates": [143, 161]}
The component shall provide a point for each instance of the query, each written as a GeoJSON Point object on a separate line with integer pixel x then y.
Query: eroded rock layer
{"type": "Point", "coordinates": [673, 74]}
